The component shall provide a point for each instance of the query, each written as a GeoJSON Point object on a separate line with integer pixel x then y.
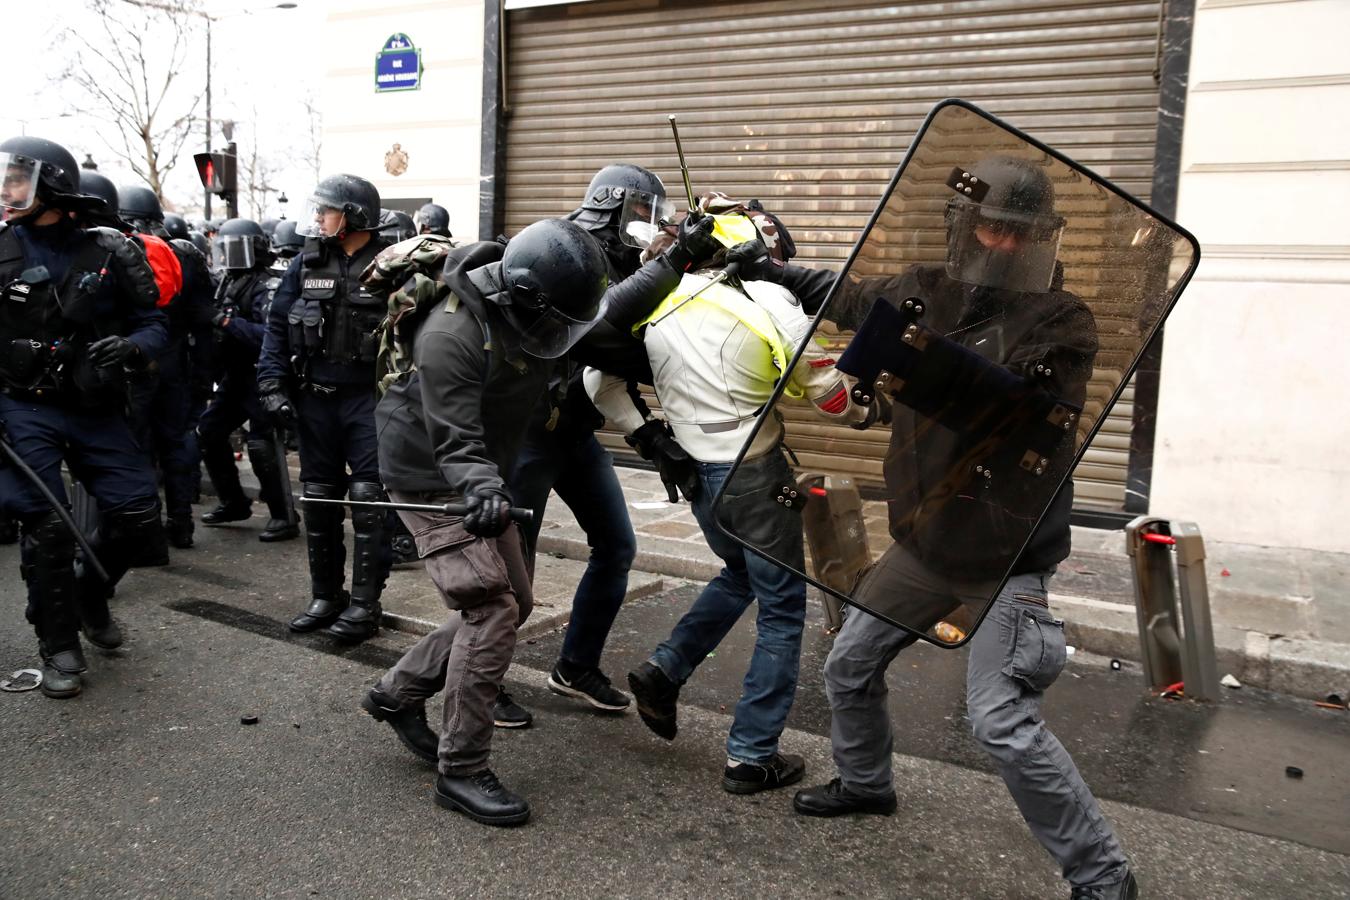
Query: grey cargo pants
{"type": "Point", "coordinates": [486, 585]}
{"type": "Point", "coordinates": [1015, 655]}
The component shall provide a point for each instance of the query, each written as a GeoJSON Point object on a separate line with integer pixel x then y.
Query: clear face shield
{"type": "Point", "coordinates": [551, 333]}
{"type": "Point", "coordinates": [1002, 249]}
{"type": "Point", "coordinates": [19, 188]}
{"type": "Point", "coordinates": [235, 252]}
{"type": "Point", "coordinates": [642, 216]}
{"type": "Point", "coordinates": [319, 219]}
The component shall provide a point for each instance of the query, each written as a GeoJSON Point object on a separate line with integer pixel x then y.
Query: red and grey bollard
{"type": "Point", "coordinates": [1176, 635]}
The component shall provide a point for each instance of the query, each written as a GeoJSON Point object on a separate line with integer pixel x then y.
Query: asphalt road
{"type": "Point", "coordinates": [149, 786]}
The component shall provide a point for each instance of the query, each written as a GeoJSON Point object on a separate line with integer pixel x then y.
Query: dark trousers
{"type": "Point", "coordinates": [159, 404]}
{"type": "Point", "coordinates": [582, 472]}
{"type": "Point", "coordinates": [337, 431]}
{"type": "Point", "coordinates": [234, 403]}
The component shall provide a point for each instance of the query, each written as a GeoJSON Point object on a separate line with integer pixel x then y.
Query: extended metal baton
{"type": "Point", "coordinates": [684, 170]}
{"type": "Point", "coordinates": [91, 558]}
{"type": "Point", "coordinates": [284, 473]}
{"type": "Point", "coordinates": [519, 514]}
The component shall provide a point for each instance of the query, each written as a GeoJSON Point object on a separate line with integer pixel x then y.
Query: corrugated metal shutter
{"type": "Point", "coordinates": [809, 105]}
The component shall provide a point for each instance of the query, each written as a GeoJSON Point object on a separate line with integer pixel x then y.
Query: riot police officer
{"type": "Point", "coordinates": [396, 225]}
{"type": "Point", "coordinates": [318, 366]}
{"type": "Point", "coordinates": [286, 243]}
{"type": "Point", "coordinates": [240, 319]}
{"type": "Point", "coordinates": [449, 430]}
{"type": "Point", "coordinates": [77, 310]}
{"type": "Point", "coordinates": [561, 452]}
{"type": "Point", "coordinates": [161, 397]}
{"type": "Point", "coordinates": [433, 218]}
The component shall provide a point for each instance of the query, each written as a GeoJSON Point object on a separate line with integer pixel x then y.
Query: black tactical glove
{"type": "Point", "coordinates": [655, 442]}
{"type": "Point", "coordinates": [754, 262]}
{"type": "Point", "coordinates": [113, 350]}
{"type": "Point", "coordinates": [694, 243]}
{"type": "Point", "coordinates": [220, 318]}
{"type": "Point", "coordinates": [275, 402]}
{"type": "Point", "coordinates": [489, 511]}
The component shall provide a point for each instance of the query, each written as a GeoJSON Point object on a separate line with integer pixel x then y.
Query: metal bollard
{"type": "Point", "coordinates": [1175, 647]}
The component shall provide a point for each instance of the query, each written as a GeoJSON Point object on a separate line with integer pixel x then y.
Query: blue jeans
{"type": "Point", "coordinates": [749, 510]}
{"type": "Point", "coordinates": [582, 472]}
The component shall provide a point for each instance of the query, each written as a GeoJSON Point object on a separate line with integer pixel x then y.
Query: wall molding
{"type": "Point", "coordinates": [1300, 165]}
{"type": "Point", "coordinates": [1223, 4]}
{"type": "Point", "coordinates": [1266, 84]}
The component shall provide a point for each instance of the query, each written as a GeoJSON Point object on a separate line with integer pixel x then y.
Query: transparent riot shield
{"type": "Point", "coordinates": [989, 316]}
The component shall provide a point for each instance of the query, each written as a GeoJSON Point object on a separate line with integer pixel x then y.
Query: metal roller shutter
{"type": "Point", "coordinates": [809, 105]}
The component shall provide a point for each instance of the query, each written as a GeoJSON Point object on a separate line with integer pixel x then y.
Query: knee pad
{"type": "Point", "coordinates": [367, 519]}
{"type": "Point", "coordinates": [321, 515]}
{"type": "Point", "coordinates": [48, 542]}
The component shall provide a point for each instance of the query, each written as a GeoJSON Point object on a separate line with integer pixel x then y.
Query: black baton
{"type": "Point", "coordinates": [519, 514]}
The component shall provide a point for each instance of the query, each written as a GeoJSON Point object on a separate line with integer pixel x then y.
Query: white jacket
{"type": "Point", "coordinates": [716, 359]}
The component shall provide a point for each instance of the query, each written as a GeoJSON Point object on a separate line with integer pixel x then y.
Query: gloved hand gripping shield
{"type": "Point", "coordinates": [993, 310]}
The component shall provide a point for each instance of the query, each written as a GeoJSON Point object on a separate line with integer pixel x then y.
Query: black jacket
{"type": "Point", "coordinates": [952, 518]}
{"type": "Point", "coordinates": [457, 422]}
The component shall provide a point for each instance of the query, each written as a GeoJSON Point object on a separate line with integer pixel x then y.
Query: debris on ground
{"type": "Point", "coordinates": [248, 720]}
{"type": "Point", "coordinates": [1174, 691]}
{"type": "Point", "coordinates": [1115, 665]}
{"type": "Point", "coordinates": [1229, 681]}
{"type": "Point", "coordinates": [1293, 771]}
{"type": "Point", "coordinates": [21, 680]}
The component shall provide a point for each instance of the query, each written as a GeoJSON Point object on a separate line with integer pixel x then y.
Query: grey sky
{"type": "Point", "coordinates": [263, 57]}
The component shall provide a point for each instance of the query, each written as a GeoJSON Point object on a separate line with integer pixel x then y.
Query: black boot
{"type": "Point", "coordinates": [656, 697]}
{"type": "Point", "coordinates": [179, 531]}
{"type": "Point", "coordinates": [371, 558]}
{"type": "Point", "coordinates": [9, 530]}
{"type": "Point", "coordinates": [408, 721]}
{"type": "Point", "coordinates": [833, 799]}
{"type": "Point", "coordinates": [96, 619]}
{"type": "Point", "coordinates": [327, 559]}
{"type": "Point", "coordinates": [281, 526]}
{"type": "Point", "coordinates": [49, 569]}
{"type": "Point", "coordinates": [482, 798]}
{"type": "Point", "coordinates": [233, 511]}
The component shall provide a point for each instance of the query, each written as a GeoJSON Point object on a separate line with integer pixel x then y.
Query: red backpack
{"type": "Point", "coordinates": [164, 263]}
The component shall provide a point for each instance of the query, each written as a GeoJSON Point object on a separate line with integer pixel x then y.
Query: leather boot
{"type": "Point", "coordinates": [179, 530]}
{"type": "Point", "coordinates": [49, 569]}
{"type": "Point", "coordinates": [481, 797]}
{"type": "Point", "coordinates": [327, 559]}
{"type": "Point", "coordinates": [371, 558]}
{"type": "Point", "coordinates": [61, 673]}
{"type": "Point", "coordinates": [262, 455]}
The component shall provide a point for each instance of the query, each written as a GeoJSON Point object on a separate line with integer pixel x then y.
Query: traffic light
{"type": "Point", "coordinates": [218, 172]}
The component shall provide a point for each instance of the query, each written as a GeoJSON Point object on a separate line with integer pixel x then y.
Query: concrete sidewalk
{"type": "Point", "coordinates": [1281, 617]}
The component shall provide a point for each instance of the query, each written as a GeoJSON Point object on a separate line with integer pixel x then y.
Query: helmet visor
{"type": "Point", "coordinates": [642, 217]}
{"type": "Point", "coordinates": [235, 251]}
{"type": "Point", "coordinates": [19, 188]}
{"type": "Point", "coordinates": [1003, 249]}
{"type": "Point", "coordinates": [552, 332]}
{"type": "Point", "coordinates": [320, 219]}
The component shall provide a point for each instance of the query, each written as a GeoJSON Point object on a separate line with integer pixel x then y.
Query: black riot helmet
{"type": "Point", "coordinates": [269, 225]}
{"type": "Point", "coordinates": [241, 245]}
{"type": "Point", "coordinates": [1002, 228]}
{"type": "Point", "coordinates": [608, 191]}
{"type": "Point", "coordinates": [176, 226]}
{"type": "Point", "coordinates": [139, 206]}
{"type": "Point", "coordinates": [39, 174]}
{"type": "Point", "coordinates": [550, 286]}
{"type": "Point", "coordinates": [286, 243]}
{"type": "Point", "coordinates": [201, 242]}
{"type": "Point", "coordinates": [396, 225]}
{"type": "Point", "coordinates": [212, 226]}
{"type": "Point", "coordinates": [433, 218]}
{"type": "Point", "coordinates": [340, 204]}
{"type": "Point", "coordinates": [93, 184]}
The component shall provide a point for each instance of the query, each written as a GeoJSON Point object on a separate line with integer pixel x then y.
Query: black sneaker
{"type": "Point", "coordinates": [1125, 889]}
{"type": "Point", "coordinates": [409, 723]}
{"type": "Point", "coordinates": [481, 797]}
{"type": "Point", "coordinates": [656, 697]}
{"type": "Point", "coordinates": [590, 685]}
{"type": "Point", "coordinates": [833, 799]}
{"type": "Point", "coordinates": [751, 778]}
{"type": "Point", "coordinates": [507, 713]}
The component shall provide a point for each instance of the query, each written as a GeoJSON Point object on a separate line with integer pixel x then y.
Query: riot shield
{"type": "Point", "coordinates": [992, 311]}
